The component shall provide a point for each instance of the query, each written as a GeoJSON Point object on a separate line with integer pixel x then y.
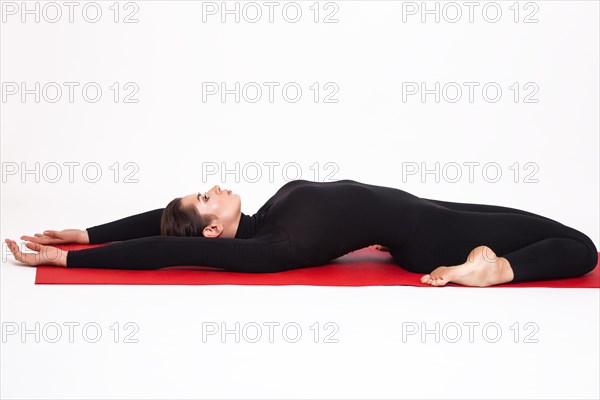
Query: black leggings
{"type": "Point", "coordinates": [536, 247]}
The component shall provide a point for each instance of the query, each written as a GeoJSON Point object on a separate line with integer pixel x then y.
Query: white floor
{"type": "Point", "coordinates": [360, 342]}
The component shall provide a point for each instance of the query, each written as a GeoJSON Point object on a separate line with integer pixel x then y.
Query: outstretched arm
{"type": "Point", "coordinates": [133, 227]}
{"type": "Point", "coordinates": [266, 254]}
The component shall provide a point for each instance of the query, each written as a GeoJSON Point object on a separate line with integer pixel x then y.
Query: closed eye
{"type": "Point", "coordinates": [205, 197]}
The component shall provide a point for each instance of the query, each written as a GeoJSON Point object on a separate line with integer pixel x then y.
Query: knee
{"type": "Point", "coordinates": [591, 252]}
{"type": "Point", "coordinates": [591, 258]}
{"type": "Point", "coordinates": [589, 255]}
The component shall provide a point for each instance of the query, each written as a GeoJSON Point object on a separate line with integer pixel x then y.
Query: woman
{"type": "Point", "coordinates": [311, 223]}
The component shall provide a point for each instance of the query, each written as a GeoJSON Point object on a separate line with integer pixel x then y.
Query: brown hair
{"type": "Point", "coordinates": [177, 220]}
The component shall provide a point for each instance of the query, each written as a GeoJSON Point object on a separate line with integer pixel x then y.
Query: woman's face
{"type": "Point", "coordinates": [222, 203]}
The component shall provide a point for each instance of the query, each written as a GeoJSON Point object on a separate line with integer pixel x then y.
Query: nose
{"type": "Point", "coordinates": [218, 189]}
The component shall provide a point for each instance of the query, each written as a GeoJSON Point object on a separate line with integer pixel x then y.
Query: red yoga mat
{"type": "Point", "coordinates": [364, 267]}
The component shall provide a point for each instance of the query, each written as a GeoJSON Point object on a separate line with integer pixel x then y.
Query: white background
{"type": "Point", "coordinates": [172, 136]}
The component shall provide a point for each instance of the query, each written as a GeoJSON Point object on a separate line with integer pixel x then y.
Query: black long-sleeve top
{"type": "Point", "coordinates": [303, 224]}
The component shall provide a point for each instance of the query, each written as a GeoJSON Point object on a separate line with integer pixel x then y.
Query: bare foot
{"type": "Point", "coordinates": [482, 268]}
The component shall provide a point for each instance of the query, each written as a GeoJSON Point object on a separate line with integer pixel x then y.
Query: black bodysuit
{"type": "Point", "coordinates": [309, 223]}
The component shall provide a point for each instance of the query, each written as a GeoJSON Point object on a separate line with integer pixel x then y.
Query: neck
{"type": "Point", "coordinates": [235, 224]}
{"type": "Point", "coordinates": [246, 226]}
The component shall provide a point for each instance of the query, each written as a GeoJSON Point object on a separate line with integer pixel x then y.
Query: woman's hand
{"type": "Point", "coordinates": [59, 237]}
{"type": "Point", "coordinates": [46, 255]}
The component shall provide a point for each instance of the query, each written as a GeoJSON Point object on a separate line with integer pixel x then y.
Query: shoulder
{"type": "Point", "coordinates": [296, 182]}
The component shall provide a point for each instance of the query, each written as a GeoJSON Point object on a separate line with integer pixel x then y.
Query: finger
{"type": "Point", "coordinates": [12, 245]}
{"type": "Point", "coordinates": [9, 243]}
{"type": "Point", "coordinates": [34, 246]}
{"type": "Point", "coordinates": [41, 240]}
{"type": "Point", "coordinates": [50, 233]}
{"type": "Point", "coordinates": [38, 235]}
{"type": "Point", "coordinates": [30, 238]}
